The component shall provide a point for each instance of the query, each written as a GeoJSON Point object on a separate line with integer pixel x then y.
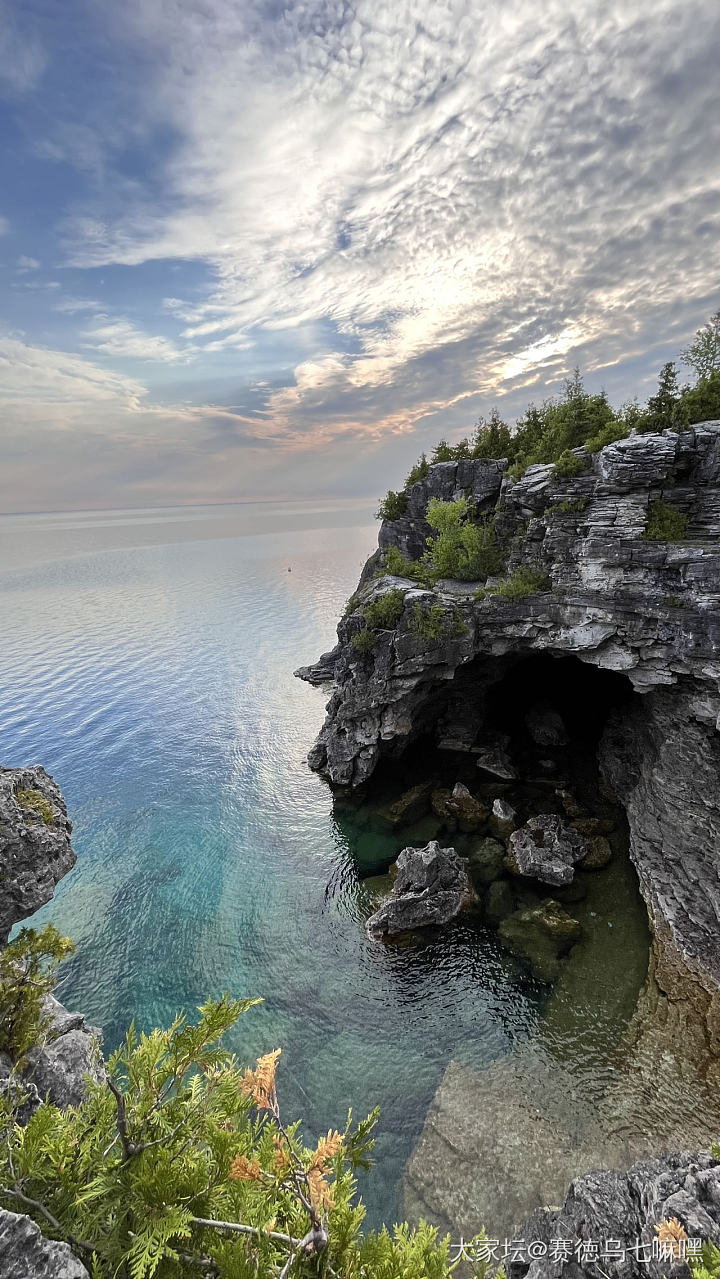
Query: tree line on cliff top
{"type": "Point", "coordinates": [548, 433]}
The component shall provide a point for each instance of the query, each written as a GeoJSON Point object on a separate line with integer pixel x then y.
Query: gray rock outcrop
{"type": "Point", "coordinates": [546, 848]}
{"type": "Point", "coordinates": [626, 1208]}
{"type": "Point", "coordinates": [429, 888]}
{"type": "Point", "coordinates": [25, 1253]}
{"type": "Point", "coordinates": [35, 849]}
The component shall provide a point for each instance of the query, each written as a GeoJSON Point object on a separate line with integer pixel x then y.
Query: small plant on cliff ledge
{"type": "Point", "coordinates": [385, 612]}
{"type": "Point", "coordinates": [528, 579]}
{"type": "Point", "coordinates": [462, 548]}
{"type": "Point", "coordinates": [665, 523]}
{"type": "Point", "coordinates": [27, 974]}
{"type": "Point", "coordinates": [364, 641]}
{"type": "Point", "coordinates": [429, 622]}
{"type": "Point", "coordinates": [36, 802]}
{"type": "Point", "coordinates": [180, 1165]}
{"type": "Point", "coordinates": [569, 464]}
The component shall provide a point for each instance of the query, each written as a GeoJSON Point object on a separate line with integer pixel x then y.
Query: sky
{"type": "Point", "coordinates": [253, 251]}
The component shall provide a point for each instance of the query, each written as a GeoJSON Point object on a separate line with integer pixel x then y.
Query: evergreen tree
{"type": "Point", "coordinates": [703, 353]}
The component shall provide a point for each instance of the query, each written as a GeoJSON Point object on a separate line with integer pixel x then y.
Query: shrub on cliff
{"type": "Point", "coordinates": [364, 641]}
{"type": "Point", "coordinates": [27, 974]}
{"type": "Point", "coordinates": [461, 549]}
{"type": "Point", "coordinates": [528, 579]}
{"type": "Point", "coordinates": [665, 523]}
{"type": "Point", "coordinates": [181, 1165]}
{"type": "Point", "coordinates": [569, 464]}
{"type": "Point", "coordinates": [385, 612]}
{"type": "Point", "coordinates": [392, 507]}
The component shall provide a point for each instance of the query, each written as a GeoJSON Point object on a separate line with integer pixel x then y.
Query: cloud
{"type": "Point", "coordinates": [4, 226]}
{"type": "Point", "coordinates": [450, 185]}
{"type": "Point", "coordinates": [22, 58]}
{"type": "Point", "coordinates": [27, 264]}
{"type": "Point", "coordinates": [121, 339]}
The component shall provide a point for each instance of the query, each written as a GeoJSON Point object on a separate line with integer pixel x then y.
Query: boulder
{"type": "Point", "coordinates": [545, 725]}
{"type": "Point", "coordinates": [35, 849]}
{"type": "Point", "coordinates": [495, 760]}
{"type": "Point", "coordinates": [546, 848]}
{"type": "Point", "coordinates": [589, 826]}
{"type": "Point", "coordinates": [541, 934]}
{"type": "Point", "coordinates": [598, 855]}
{"type": "Point", "coordinates": [626, 1208]}
{"type": "Point", "coordinates": [72, 1051]}
{"type": "Point", "coordinates": [430, 887]}
{"type": "Point", "coordinates": [503, 819]}
{"type": "Point", "coordinates": [25, 1253]}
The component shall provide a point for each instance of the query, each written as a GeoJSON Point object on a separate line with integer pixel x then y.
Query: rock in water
{"type": "Point", "coordinates": [35, 849]}
{"type": "Point", "coordinates": [25, 1253]}
{"type": "Point", "coordinates": [541, 934]}
{"type": "Point", "coordinates": [495, 760]}
{"type": "Point", "coordinates": [430, 887]}
{"type": "Point", "coordinates": [546, 848]}
{"type": "Point", "coordinates": [503, 819]}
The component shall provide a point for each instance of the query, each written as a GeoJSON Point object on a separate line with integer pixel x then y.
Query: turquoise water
{"type": "Point", "coordinates": [147, 662]}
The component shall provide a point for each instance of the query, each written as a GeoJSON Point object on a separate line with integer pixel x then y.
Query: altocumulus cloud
{"type": "Point", "coordinates": [465, 197]}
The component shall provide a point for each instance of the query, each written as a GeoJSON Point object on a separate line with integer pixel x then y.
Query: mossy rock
{"type": "Point", "coordinates": [36, 803]}
{"type": "Point", "coordinates": [541, 935]}
{"type": "Point", "coordinates": [591, 826]}
{"type": "Point", "coordinates": [600, 853]}
{"type": "Point", "coordinates": [408, 807]}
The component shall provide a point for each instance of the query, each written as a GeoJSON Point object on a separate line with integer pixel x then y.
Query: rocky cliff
{"type": "Point", "coordinates": [645, 610]}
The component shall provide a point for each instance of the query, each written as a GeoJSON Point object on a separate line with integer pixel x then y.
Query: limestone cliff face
{"type": "Point", "coordinates": [649, 610]}
{"type": "Point", "coordinates": [35, 850]}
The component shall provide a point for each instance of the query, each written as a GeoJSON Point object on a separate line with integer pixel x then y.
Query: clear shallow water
{"type": "Point", "coordinates": [147, 662]}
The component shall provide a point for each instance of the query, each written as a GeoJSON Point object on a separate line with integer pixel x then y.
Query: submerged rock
{"type": "Point", "coordinates": [598, 855]}
{"type": "Point", "coordinates": [542, 935]}
{"type": "Point", "coordinates": [35, 849]}
{"type": "Point", "coordinates": [458, 805]}
{"type": "Point", "coordinates": [430, 887]}
{"type": "Point", "coordinates": [487, 861]}
{"type": "Point", "coordinates": [409, 807]}
{"type": "Point", "coordinates": [499, 901]}
{"type": "Point", "coordinates": [546, 848]}
{"type": "Point", "coordinates": [25, 1253]}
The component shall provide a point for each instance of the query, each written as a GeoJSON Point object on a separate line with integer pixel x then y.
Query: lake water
{"type": "Point", "coordinates": [147, 661]}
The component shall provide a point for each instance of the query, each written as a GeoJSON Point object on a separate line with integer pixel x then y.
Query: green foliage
{"type": "Point", "coordinates": [665, 523]}
{"type": "Point", "coordinates": [528, 579]}
{"type": "Point", "coordinates": [703, 353]}
{"type": "Point", "coordinates": [418, 472]}
{"type": "Point", "coordinates": [352, 604]}
{"type": "Point", "coordinates": [462, 549]}
{"type": "Point", "coordinates": [568, 508]}
{"type": "Point", "coordinates": [609, 434]}
{"type": "Point", "coordinates": [429, 622]}
{"type": "Point", "coordinates": [364, 641]}
{"type": "Point", "coordinates": [443, 452]}
{"type": "Point", "coordinates": [569, 464]}
{"type": "Point", "coordinates": [395, 563]}
{"type": "Point", "coordinates": [385, 611]}
{"type": "Point", "coordinates": [393, 506]}
{"type": "Point", "coordinates": [36, 802]}
{"type": "Point", "coordinates": [492, 439]}
{"type": "Point", "coordinates": [181, 1165]}
{"type": "Point", "coordinates": [708, 1267]}
{"type": "Point", "coordinates": [28, 966]}
{"type": "Point", "coordinates": [702, 402]}
{"type": "Point", "coordinates": [665, 409]}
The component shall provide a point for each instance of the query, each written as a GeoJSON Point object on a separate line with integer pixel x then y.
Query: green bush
{"type": "Point", "coordinates": [182, 1165]}
{"type": "Point", "coordinates": [665, 523]}
{"type": "Point", "coordinates": [528, 579]}
{"type": "Point", "coordinates": [418, 472]}
{"type": "Point", "coordinates": [395, 563]}
{"type": "Point", "coordinates": [364, 641]}
{"type": "Point", "coordinates": [610, 434]}
{"type": "Point", "coordinates": [429, 622]}
{"type": "Point", "coordinates": [28, 966]}
{"type": "Point", "coordinates": [462, 549]}
{"type": "Point", "coordinates": [568, 508]}
{"type": "Point", "coordinates": [569, 464]}
{"type": "Point", "coordinates": [393, 506]}
{"type": "Point", "coordinates": [385, 612]}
